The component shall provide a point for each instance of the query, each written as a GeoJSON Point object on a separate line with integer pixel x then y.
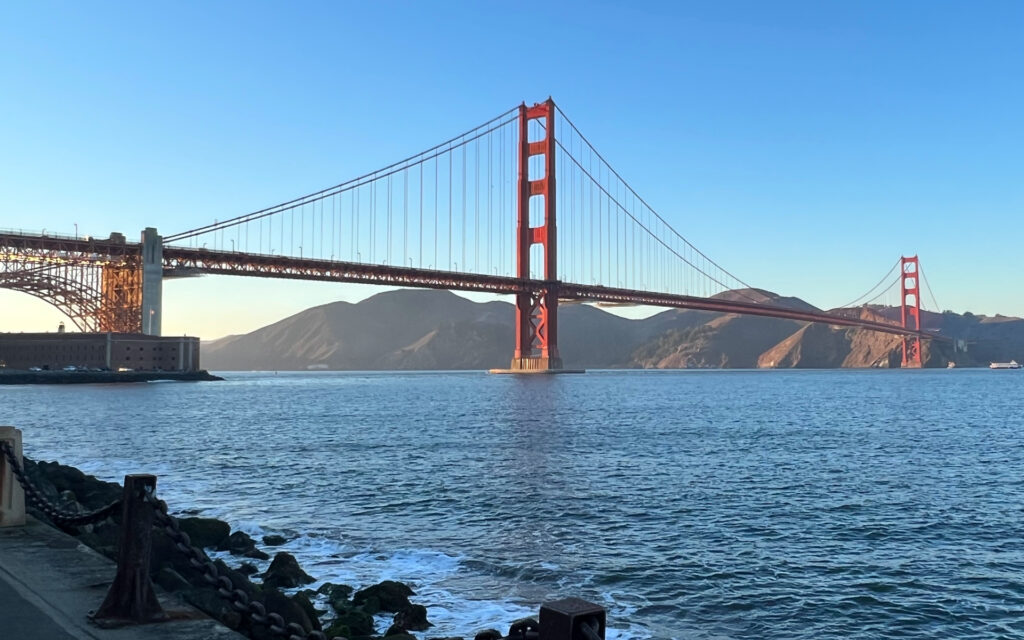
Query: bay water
{"type": "Point", "coordinates": [691, 504]}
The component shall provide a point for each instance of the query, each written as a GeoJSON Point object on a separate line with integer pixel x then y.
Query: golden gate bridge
{"type": "Point", "coordinates": [522, 205]}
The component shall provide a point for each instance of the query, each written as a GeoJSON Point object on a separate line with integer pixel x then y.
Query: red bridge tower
{"type": "Point", "coordinates": [537, 311]}
{"type": "Point", "coordinates": [910, 310]}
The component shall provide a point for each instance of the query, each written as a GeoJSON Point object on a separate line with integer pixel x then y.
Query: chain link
{"type": "Point", "coordinates": [51, 511]}
{"type": "Point", "coordinates": [591, 629]}
{"type": "Point", "coordinates": [237, 598]}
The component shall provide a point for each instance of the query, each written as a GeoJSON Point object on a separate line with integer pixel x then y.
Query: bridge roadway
{"type": "Point", "coordinates": [188, 261]}
{"type": "Point", "coordinates": [179, 262]}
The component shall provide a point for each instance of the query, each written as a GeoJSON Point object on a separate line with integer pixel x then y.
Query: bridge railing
{"type": "Point", "coordinates": [41, 233]}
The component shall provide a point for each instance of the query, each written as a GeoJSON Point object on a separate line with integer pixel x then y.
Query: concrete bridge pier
{"type": "Point", "coordinates": [152, 281]}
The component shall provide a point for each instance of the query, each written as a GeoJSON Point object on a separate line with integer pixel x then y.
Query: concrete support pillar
{"type": "Point", "coordinates": [12, 496]}
{"type": "Point", "coordinates": [152, 281]}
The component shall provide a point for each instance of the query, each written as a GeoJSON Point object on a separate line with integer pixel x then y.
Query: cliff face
{"type": "Point", "coordinates": [423, 329]}
{"type": "Point", "coordinates": [728, 341]}
{"type": "Point", "coordinates": [818, 346]}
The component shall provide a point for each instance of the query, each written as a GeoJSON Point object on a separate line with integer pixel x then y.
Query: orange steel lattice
{"type": "Point", "coordinates": [95, 283]}
{"type": "Point", "coordinates": [910, 310]}
{"type": "Point", "coordinates": [536, 324]}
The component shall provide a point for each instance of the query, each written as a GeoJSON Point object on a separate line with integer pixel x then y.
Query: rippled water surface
{"type": "Point", "coordinates": [735, 504]}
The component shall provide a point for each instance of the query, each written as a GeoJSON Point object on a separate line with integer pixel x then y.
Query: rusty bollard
{"type": "Point", "coordinates": [131, 599]}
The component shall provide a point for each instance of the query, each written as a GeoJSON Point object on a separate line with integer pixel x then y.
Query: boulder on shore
{"type": "Point", "coordinates": [205, 533]}
{"type": "Point", "coordinates": [412, 618]}
{"type": "Point", "coordinates": [285, 573]}
{"type": "Point", "coordinates": [389, 595]}
{"type": "Point", "coordinates": [239, 543]}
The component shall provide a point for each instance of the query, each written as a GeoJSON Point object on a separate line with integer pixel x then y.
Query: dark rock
{"type": "Point", "coordinates": [274, 540]}
{"type": "Point", "coordinates": [336, 592]}
{"type": "Point", "coordinates": [413, 618]}
{"type": "Point", "coordinates": [88, 490]}
{"type": "Point", "coordinates": [303, 601]}
{"type": "Point", "coordinates": [208, 601]}
{"type": "Point", "coordinates": [398, 635]}
{"type": "Point", "coordinates": [356, 623]}
{"type": "Point", "coordinates": [171, 580]}
{"type": "Point", "coordinates": [237, 543]}
{"type": "Point", "coordinates": [276, 602]}
{"type": "Point", "coordinates": [285, 572]}
{"type": "Point", "coordinates": [102, 538]}
{"type": "Point", "coordinates": [163, 553]}
{"type": "Point", "coordinates": [248, 569]}
{"type": "Point", "coordinates": [448, 638]}
{"type": "Point", "coordinates": [206, 598]}
{"type": "Point", "coordinates": [337, 630]}
{"type": "Point", "coordinates": [67, 501]}
{"type": "Point", "coordinates": [205, 532]}
{"type": "Point", "coordinates": [387, 596]}
{"type": "Point", "coordinates": [338, 595]}
{"type": "Point", "coordinates": [521, 626]}
{"type": "Point", "coordinates": [488, 634]}
{"type": "Point", "coordinates": [256, 554]}
{"type": "Point", "coordinates": [238, 579]}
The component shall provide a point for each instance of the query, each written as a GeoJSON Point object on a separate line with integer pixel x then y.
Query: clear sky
{"type": "Point", "coordinates": [803, 145]}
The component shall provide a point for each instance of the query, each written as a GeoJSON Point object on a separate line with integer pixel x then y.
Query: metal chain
{"type": "Point", "coordinates": [49, 509]}
{"type": "Point", "coordinates": [238, 598]}
{"type": "Point", "coordinates": [591, 629]}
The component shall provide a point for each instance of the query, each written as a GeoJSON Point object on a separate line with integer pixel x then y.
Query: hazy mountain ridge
{"type": "Point", "coordinates": [413, 329]}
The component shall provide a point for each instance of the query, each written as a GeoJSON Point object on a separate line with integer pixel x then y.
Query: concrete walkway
{"type": "Point", "coordinates": [49, 583]}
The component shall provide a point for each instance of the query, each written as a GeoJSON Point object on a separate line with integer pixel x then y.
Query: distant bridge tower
{"type": "Point", "coordinates": [910, 310]}
{"type": "Point", "coordinates": [537, 311]}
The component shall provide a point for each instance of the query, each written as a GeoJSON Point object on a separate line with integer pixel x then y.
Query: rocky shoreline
{"type": "Point", "coordinates": [102, 377]}
{"type": "Point", "coordinates": [339, 610]}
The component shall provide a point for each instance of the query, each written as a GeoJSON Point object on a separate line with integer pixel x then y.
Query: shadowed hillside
{"type": "Point", "coordinates": [427, 329]}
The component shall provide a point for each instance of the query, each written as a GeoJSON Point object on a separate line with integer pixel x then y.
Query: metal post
{"type": "Point", "coordinates": [572, 619]}
{"type": "Point", "coordinates": [12, 496]}
{"type": "Point", "coordinates": [131, 599]}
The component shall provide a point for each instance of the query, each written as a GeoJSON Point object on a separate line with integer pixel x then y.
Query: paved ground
{"type": "Point", "coordinates": [20, 618]}
{"type": "Point", "coordinates": [49, 583]}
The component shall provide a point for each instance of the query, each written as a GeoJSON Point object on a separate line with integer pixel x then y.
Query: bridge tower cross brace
{"type": "Point", "coordinates": [537, 311]}
{"type": "Point", "coordinates": [910, 309]}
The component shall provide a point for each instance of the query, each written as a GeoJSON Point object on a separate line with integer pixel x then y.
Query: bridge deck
{"type": "Point", "coordinates": [186, 261]}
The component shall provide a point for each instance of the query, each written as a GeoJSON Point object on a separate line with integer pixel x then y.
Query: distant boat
{"type": "Point", "coordinates": [1012, 364]}
{"type": "Point", "coordinates": [951, 365]}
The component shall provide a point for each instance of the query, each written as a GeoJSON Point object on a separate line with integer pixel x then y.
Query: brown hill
{"type": "Point", "coordinates": [425, 329]}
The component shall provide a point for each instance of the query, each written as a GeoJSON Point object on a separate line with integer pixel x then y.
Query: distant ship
{"type": "Point", "coordinates": [1012, 364]}
{"type": "Point", "coordinates": [951, 365]}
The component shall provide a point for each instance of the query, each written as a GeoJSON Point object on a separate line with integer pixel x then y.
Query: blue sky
{"type": "Point", "coordinates": [803, 145]}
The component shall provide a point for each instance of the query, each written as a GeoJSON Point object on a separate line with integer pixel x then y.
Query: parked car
{"type": "Point", "coordinates": [71, 367]}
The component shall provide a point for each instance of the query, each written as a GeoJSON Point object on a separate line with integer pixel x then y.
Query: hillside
{"type": "Point", "coordinates": [426, 329]}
